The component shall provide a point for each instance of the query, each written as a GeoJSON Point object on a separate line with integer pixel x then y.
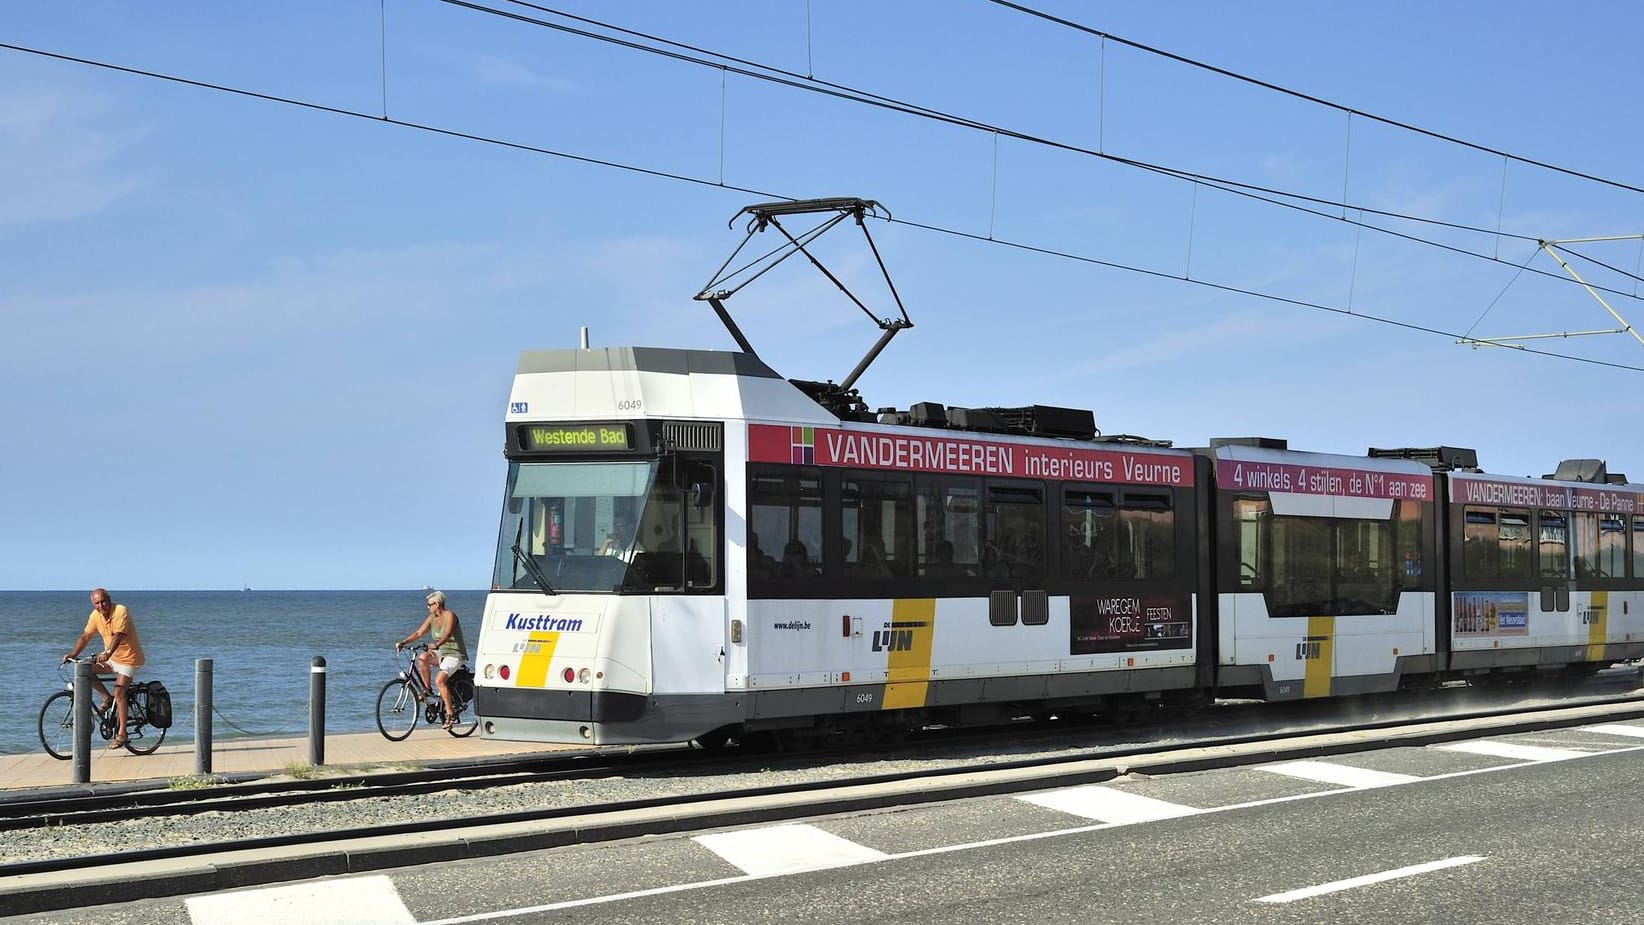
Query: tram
{"type": "Point", "coordinates": [694, 548]}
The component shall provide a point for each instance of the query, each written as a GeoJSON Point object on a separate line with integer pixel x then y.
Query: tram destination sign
{"type": "Point", "coordinates": [586, 437]}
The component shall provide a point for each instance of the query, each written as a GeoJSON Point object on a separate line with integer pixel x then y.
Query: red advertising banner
{"type": "Point", "coordinates": [1501, 492]}
{"type": "Point", "coordinates": [827, 446]}
{"type": "Point", "coordinates": [1242, 475]}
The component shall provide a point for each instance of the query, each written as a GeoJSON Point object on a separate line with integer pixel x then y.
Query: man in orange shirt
{"type": "Point", "coordinates": [122, 654]}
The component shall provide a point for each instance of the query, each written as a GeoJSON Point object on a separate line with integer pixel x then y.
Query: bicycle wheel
{"type": "Point", "coordinates": [465, 723]}
{"type": "Point", "coordinates": [462, 693]}
{"type": "Point", "coordinates": [57, 725]}
{"type": "Point", "coordinates": [396, 710]}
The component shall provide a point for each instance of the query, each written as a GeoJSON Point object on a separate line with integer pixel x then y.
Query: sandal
{"type": "Point", "coordinates": [118, 743]}
{"type": "Point", "coordinates": [103, 708]}
{"type": "Point", "coordinates": [449, 722]}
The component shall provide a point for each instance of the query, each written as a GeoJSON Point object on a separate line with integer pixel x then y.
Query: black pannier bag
{"type": "Point", "coordinates": [462, 685]}
{"type": "Point", "coordinates": [158, 705]}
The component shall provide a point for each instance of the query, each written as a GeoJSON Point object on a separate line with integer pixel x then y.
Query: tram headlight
{"type": "Point", "coordinates": [583, 675]}
{"type": "Point", "coordinates": [490, 670]}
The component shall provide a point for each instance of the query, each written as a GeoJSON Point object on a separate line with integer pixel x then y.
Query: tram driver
{"type": "Point", "coordinates": [620, 542]}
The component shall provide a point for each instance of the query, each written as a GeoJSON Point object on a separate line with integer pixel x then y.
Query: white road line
{"type": "Point", "coordinates": [786, 849]}
{"type": "Point", "coordinates": [1515, 752]}
{"type": "Point", "coordinates": [500, 914]}
{"type": "Point", "coordinates": [1327, 773]}
{"type": "Point", "coordinates": [353, 901]}
{"type": "Point", "coordinates": [1115, 806]}
{"type": "Point", "coordinates": [1616, 729]}
{"type": "Point", "coordinates": [1367, 879]}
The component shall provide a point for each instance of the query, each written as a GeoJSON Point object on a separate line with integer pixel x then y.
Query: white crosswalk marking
{"type": "Point", "coordinates": [1616, 729]}
{"type": "Point", "coordinates": [1346, 776]}
{"type": "Point", "coordinates": [786, 849]}
{"type": "Point", "coordinates": [352, 901]}
{"type": "Point", "coordinates": [1108, 805]}
{"type": "Point", "coordinates": [1515, 752]}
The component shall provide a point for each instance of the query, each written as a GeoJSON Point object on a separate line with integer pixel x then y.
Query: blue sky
{"type": "Point", "coordinates": [252, 342]}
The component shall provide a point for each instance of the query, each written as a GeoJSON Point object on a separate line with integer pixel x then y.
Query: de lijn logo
{"type": "Point", "coordinates": [892, 640]}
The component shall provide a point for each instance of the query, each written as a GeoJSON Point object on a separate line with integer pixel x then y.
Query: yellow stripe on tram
{"type": "Point", "coordinates": [1598, 626]}
{"type": "Point", "coordinates": [907, 670]}
{"type": "Point", "coordinates": [1318, 652]}
{"type": "Point", "coordinates": [533, 665]}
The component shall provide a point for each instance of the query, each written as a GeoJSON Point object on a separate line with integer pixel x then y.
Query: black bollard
{"type": "Point", "coordinates": [316, 712]}
{"type": "Point", "coordinates": [82, 722]}
{"type": "Point", "coordinates": [202, 716]}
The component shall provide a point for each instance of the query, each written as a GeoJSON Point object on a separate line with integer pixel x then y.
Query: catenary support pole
{"type": "Point", "coordinates": [316, 712]}
{"type": "Point", "coordinates": [82, 722]}
{"type": "Point", "coordinates": [202, 716]}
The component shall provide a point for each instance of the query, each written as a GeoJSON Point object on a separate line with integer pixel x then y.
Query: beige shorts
{"type": "Point", "coordinates": [121, 668]}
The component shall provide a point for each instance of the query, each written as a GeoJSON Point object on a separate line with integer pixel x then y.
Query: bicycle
{"type": "Point", "coordinates": [406, 698]}
{"type": "Point", "coordinates": [57, 718]}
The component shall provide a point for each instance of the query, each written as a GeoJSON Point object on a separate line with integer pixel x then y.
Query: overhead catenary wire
{"type": "Point", "coordinates": [1275, 197]}
{"type": "Point", "coordinates": [806, 82]}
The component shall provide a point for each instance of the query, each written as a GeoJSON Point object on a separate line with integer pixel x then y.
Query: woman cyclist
{"type": "Point", "coordinates": [447, 648]}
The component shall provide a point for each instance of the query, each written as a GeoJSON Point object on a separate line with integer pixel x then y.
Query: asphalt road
{"type": "Point", "coordinates": [1537, 827]}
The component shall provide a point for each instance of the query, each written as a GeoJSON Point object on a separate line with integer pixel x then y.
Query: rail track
{"type": "Point", "coordinates": [939, 757]}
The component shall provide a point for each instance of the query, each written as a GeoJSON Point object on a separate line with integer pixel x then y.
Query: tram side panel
{"type": "Point", "coordinates": [959, 617]}
{"type": "Point", "coordinates": [1546, 577]}
{"type": "Point", "coordinates": [1325, 572]}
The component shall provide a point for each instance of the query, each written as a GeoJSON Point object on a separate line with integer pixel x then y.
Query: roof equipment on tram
{"type": "Point", "coordinates": [1441, 458]}
{"type": "Point", "coordinates": [841, 399]}
{"type": "Point", "coordinates": [1582, 470]}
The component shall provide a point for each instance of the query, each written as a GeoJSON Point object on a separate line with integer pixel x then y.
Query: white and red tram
{"type": "Point", "coordinates": [693, 547]}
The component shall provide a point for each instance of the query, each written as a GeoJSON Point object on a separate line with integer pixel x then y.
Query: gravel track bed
{"type": "Point", "coordinates": [462, 807]}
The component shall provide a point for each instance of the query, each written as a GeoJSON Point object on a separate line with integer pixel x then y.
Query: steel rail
{"type": "Point", "coordinates": [1160, 758]}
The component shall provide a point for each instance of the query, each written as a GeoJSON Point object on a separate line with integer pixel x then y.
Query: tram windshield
{"type": "Point", "coordinates": [608, 526]}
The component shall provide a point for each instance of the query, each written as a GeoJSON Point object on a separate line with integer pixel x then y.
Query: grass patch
{"type": "Point", "coordinates": [194, 782]}
{"type": "Point", "coordinates": [299, 770]}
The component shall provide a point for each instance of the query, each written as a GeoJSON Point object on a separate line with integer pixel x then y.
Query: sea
{"type": "Point", "coordinates": [261, 644]}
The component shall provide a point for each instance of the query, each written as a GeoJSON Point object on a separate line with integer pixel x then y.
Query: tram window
{"type": "Point", "coordinates": [1480, 545]}
{"type": "Point", "coordinates": [1364, 567]}
{"type": "Point", "coordinates": [1300, 584]}
{"type": "Point", "coordinates": [1638, 547]}
{"type": "Point", "coordinates": [785, 513]}
{"type": "Point", "coordinates": [1090, 534]}
{"type": "Point", "coordinates": [1147, 536]}
{"type": "Point", "coordinates": [947, 514]}
{"type": "Point", "coordinates": [1331, 566]}
{"type": "Point", "coordinates": [1612, 546]}
{"type": "Point", "coordinates": [1552, 543]}
{"type": "Point", "coordinates": [1014, 522]}
{"type": "Point", "coordinates": [876, 516]}
{"type": "Point", "coordinates": [1407, 519]}
{"type": "Point", "coordinates": [1586, 546]}
{"type": "Point", "coordinates": [1251, 516]}
{"type": "Point", "coordinates": [1515, 545]}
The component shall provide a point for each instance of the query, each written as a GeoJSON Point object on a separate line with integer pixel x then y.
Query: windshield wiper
{"type": "Point", "coordinates": [535, 569]}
